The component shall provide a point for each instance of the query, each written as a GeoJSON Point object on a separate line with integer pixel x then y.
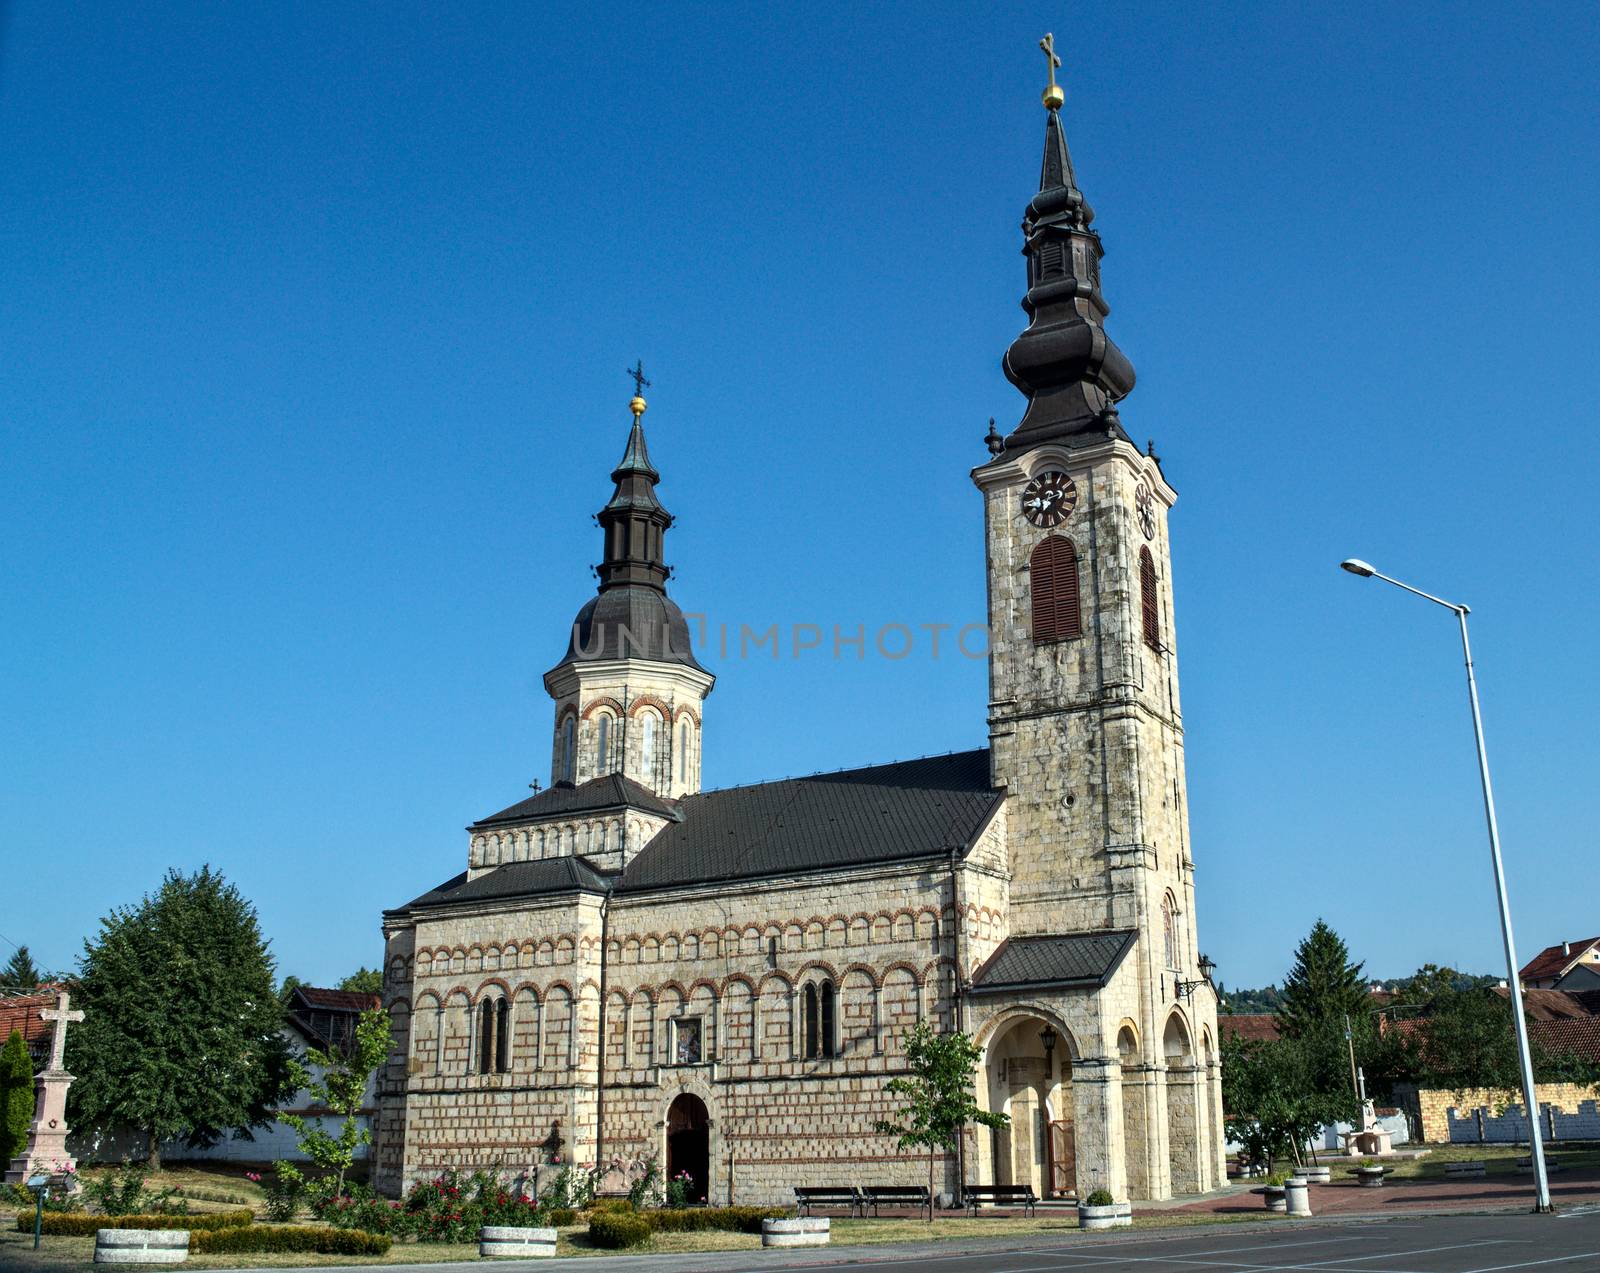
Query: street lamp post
{"type": "Point", "coordinates": [1513, 980]}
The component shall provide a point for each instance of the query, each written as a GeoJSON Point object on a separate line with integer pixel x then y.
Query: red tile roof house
{"type": "Point", "coordinates": [314, 1017]}
{"type": "Point", "coordinates": [1572, 965]}
{"type": "Point", "coordinates": [21, 1012]}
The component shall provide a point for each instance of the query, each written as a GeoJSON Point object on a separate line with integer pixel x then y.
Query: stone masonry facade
{"type": "Point", "coordinates": [631, 968]}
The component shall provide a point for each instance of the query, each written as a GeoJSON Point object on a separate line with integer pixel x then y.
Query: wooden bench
{"type": "Point", "coordinates": [896, 1196]}
{"type": "Point", "coordinates": [1000, 1196]}
{"type": "Point", "coordinates": [806, 1197]}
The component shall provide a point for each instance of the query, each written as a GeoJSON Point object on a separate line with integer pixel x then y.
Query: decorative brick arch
{"type": "Point", "coordinates": [603, 705]}
{"type": "Point", "coordinates": [644, 702]}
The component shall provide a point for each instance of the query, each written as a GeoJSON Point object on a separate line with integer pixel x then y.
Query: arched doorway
{"type": "Point", "coordinates": [689, 1144]}
{"type": "Point", "coordinates": [1029, 1071]}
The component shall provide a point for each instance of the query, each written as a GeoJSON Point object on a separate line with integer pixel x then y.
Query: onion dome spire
{"type": "Point", "coordinates": [631, 616]}
{"type": "Point", "coordinates": [634, 521]}
{"type": "Point", "coordinates": [1071, 371]}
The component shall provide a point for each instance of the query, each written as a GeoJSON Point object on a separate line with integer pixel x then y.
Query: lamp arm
{"type": "Point", "coordinates": [1418, 592]}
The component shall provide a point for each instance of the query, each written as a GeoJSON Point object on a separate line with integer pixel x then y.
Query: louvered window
{"type": "Point", "coordinates": [1053, 580]}
{"type": "Point", "coordinates": [1149, 600]}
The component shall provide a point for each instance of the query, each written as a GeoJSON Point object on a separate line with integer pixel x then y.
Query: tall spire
{"type": "Point", "coordinates": [634, 521]}
{"type": "Point", "coordinates": [1071, 371]}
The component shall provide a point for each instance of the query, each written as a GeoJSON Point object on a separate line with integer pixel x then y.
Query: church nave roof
{"type": "Point", "coordinates": [856, 817]}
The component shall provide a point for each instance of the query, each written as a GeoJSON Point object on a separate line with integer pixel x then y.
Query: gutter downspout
{"type": "Point", "coordinates": [600, 1017]}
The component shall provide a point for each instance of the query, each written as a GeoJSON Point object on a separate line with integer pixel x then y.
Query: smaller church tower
{"type": "Point", "coordinates": [629, 691]}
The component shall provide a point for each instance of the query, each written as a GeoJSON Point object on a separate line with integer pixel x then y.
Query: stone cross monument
{"type": "Point", "coordinates": [46, 1149]}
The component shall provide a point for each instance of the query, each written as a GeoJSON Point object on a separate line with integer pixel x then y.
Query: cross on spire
{"type": "Point", "coordinates": [640, 384]}
{"type": "Point", "coordinates": [60, 1015]}
{"type": "Point", "coordinates": [1053, 96]}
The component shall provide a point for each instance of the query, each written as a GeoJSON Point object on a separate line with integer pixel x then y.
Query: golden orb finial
{"type": "Point", "coordinates": [1052, 97]}
{"type": "Point", "coordinates": [638, 404]}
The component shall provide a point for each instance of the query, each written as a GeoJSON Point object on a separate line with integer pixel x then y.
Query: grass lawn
{"type": "Point", "coordinates": [1497, 1159]}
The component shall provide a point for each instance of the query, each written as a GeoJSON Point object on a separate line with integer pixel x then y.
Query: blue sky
{"type": "Point", "coordinates": [312, 331]}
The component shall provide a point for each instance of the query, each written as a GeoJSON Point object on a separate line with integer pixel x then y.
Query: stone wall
{"type": "Point", "coordinates": [1569, 1112]}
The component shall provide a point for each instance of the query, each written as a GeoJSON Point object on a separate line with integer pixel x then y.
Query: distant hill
{"type": "Point", "coordinates": [1270, 998]}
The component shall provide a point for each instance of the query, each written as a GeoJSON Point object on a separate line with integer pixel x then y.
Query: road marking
{"type": "Point", "coordinates": [1199, 1258]}
{"type": "Point", "coordinates": [1533, 1264]}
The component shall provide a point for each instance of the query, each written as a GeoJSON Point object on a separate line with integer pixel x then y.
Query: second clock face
{"type": "Point", "coordinates": [1049, 499]}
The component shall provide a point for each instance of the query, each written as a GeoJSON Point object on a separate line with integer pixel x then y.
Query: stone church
{"type": "Point", "coordinates": [632, 966]}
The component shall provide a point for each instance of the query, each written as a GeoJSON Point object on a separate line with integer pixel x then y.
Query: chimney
{"type": "Point", "coordinates": [1566, 948]}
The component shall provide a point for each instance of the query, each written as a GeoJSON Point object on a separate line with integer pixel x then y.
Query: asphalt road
{"type": "Point", "coordinates": [1565, 1243]}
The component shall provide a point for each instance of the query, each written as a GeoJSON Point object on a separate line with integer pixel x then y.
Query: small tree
{"type": "Point", "coordinates": [340, 1088]}
{"type": "Point", "coordinates": [21, 976]}
{"type": "Point", "coordinates": [16, 1097]}
{"type": "Point", "coordinates": [1279, 1094]}
{"type": "Point", "coordinates": [938, 1092]}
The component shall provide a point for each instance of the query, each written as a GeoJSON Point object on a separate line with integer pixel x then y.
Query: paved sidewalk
{"type": "Point", "coordinates": [1405, 1197]}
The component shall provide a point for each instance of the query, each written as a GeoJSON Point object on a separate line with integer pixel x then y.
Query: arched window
{"type": "Point", "coordinates": [494, 1035]}
{"type": "Point", "coordinates": [647, 746]}
{"type": "Point", "coordinates": [828, 1014]}
{"type": "Point", "coordinates": [818, 1010]}
{"type": "Point", "coordinates": [1053, 582]}
{"type": "Point", "coordinates": [569, 734]}
{"type": "Point", "coordinates": [486, 1037]}
{"type": "Point", "coordinates": [502, 1036]}
{"type": "Point", "coordinates": [602, 746]}
{"type": "Point", "coordinates": [683, 751]}
{"type": "Point", "coordinates": [1169, 931]}
{"type": "Point", "coordinates": [1149, 600]}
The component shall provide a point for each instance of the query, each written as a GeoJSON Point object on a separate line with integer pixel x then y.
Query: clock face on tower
{"type": "Point", "coordinates": [1049, 499]}
{"type": "Point", "coordinates": [1144, 502]}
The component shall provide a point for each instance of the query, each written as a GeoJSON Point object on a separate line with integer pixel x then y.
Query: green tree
{"type": "Point", "coordinates": [21, 976]}
{"type": "Point", "coordinates": [286, 991]}
{"type": "Point", "coordinates": [16, 1097]}
{"type": "Point", "coordinates": [181, 1034]}
{"type": "Point", "coordinates": [938, 1094]}
{"type": "Point", "coordinates": [340, 1086]}
{"type": "Point", "coordinates": [1323, 985]}
{"type": "Point", "coordinates": [364, 981]}
{"type": "Point", "coordinates": [1278, 1094]}
{"type": "Point", "coordinates": [1465, 1039]}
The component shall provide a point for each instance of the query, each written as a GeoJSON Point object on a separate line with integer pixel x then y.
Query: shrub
{"type": "Point", "coordinates": [1099, 1198]}
{"type": "Point", "coordinates": [699, 1219]}
{"type": "Point", "coordinates": [611, 1204]}
{"type": "Point", "coordinates": [319, 1239]}
{"type": "Point", "coordinates": [616, 1229]}
{"type": "Point", "coordinates": [284, 1193]}
{"type": "Point", "coordinates": [560, 1217]}
{"type": "Point", "coordinates": [76, 1224]}
{"type": "Point", "coordinates": [122, 1193]}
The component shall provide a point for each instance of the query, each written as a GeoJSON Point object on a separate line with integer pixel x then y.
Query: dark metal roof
{"type": "Point", "coordinates": [1065, 959]}
{"type": "Point", "coordinates": [631, 621]}
{"type": "Point", "coordinates": [1068, 366]}
{"type": "Point", "coordinates": [883, 813]}
{"type": "Point", "coordinates": [517, 879]}
{"type": "Point", "coordinates": [609, 791]}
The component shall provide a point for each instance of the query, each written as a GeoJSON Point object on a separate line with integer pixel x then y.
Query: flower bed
{"type": "Point", "coordinates": [699, 1219]}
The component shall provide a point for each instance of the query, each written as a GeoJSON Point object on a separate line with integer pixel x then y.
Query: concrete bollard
{"type": "Point", "coordinates": [503, 1241]}
{"type": "Point", "coordinates": [1320, 1175]}
{"type": "Point", "coordinates": [803, 1231]}
{"type": "Point", "coordinates": [1297, 1196]}
{"type": "Point", "coordinates": [141, 1246]}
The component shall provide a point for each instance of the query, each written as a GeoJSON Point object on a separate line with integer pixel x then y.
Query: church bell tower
{"type": "Point", "coordinates": [629, 692]}
{"type": "Point", "coordinates": [1085, 726]}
